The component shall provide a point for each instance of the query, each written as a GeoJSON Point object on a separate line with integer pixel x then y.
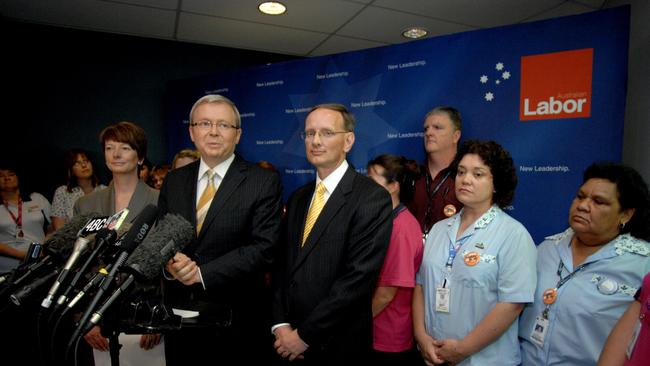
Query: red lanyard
{"type": "Point", "coordinates": [18, 220]}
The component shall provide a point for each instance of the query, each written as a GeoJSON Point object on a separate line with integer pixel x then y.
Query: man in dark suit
{"type": "Point", "coordinates": [236, 208]}
{"type": "Point", "coordinates": [336, 234]}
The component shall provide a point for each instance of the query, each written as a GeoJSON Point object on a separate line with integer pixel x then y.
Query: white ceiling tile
{"type": "Point", "coordinates": [338, 44]}
{"type": "Point", "coordinates": [382, 25]}
{"type": "Point", "coordinates": [316, 15]}
{"type": "Point", "coordinates": [595, 4]}
{"type": "Point", "coordinates": [481, 13]}
{"type": "Point", "coordinates": [239, 34]}
{"type": "Point", "coordinates": [99, 16]}
{"type": "Point", "coordinates": [162, 4]}
{"type": "Point", "coordinates": [561, 11]}
{"type": "Point", "coordinates": [306, 29]}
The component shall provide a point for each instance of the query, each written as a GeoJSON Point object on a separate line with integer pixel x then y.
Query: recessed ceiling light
{"type": "Point", "coordinates": [272, 8]}
{"type": "Point", "coordinates": [415, 32]}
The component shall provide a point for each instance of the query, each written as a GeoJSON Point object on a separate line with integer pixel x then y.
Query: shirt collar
{"type": "Point", "coordinates": [483, 221]}
{"type": "Point", "coordinates": [220, 169]}
{"type": "Point", "coordinates": [334, 178]}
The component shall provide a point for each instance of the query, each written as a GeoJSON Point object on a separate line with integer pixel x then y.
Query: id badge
{"type": "Point", "coordinates": [539, 331]}
{"type": "Point", "coordinates": [442, 299]}
{"type": "Point", "coordinates": [635, 335]}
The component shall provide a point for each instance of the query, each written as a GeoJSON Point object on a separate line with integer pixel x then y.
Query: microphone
{"type": "Point", "coordinates": [57, 246]}
{"type": "Point", "coordinates": [170, 236]}
{"type": "Point", "coordinates": [61, 243]}
{"type": "Point", "coordinates": [131, 240]}
{"type": "Point", "coordinates": [105, 236]}
{"type": "Point", "coordinates": [86, 235]}
{"type": "Point", "coordinates": [26, 291]}
{"type": "Point", "coordinates": [80, 246]}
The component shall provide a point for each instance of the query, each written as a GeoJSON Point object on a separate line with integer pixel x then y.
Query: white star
{"type": "Point", "coordinates": [497, 81]}
{"type": "Point", "coordinates": [484, 79]}
{"type": "Point", "coordinates": [506, 75]}
{"type": "Point", "coordinates": [499, 66]}
{"type": "Point", "coordinates": [489, 96]}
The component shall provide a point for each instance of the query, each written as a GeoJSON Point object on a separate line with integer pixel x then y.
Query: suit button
{"type": "Point", "coordinates": [292, 284]}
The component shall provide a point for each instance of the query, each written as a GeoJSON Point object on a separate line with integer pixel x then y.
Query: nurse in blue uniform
{"type": "Point", "coordinates": [588, 274]}
{"type": "Point", "coordinates": [478, 269]}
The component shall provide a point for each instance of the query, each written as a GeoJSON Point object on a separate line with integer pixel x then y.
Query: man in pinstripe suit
{"type": "Point", "coordinates": [236, 208]}
{"type": "Point", "coordinates": [327, 271]}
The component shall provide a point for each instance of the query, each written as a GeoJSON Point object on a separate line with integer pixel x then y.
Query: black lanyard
{"type": "Point", "coordinates": [562, 281]}
{"type": "Point", "coordinates": [428, 214]}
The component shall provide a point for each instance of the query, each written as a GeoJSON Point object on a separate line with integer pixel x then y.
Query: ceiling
{"type": "Point", "coordinates": [308, 28]}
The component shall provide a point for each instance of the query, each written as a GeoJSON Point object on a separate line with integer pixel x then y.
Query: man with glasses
{"type": "Point", "coordinates": [236, 209]}
{"type": "Point", "coordinates": [336, 236]}
{"type": "Point", "coordinates": [434, 198]}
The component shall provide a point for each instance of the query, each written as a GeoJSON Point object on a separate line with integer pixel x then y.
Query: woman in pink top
{"type": "Point", "coordinates": [629, 342]}
{"type": "Point", "coordinates": [391, 302]}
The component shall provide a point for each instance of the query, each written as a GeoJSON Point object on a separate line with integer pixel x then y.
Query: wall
{"type": "Point", "coordinates": [636, 149]}
{"type": "Point", "coordinates": [63, 86]}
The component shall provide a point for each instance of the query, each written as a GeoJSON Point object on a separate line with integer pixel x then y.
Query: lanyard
{"type": "Point", "coordinates": [566, 279]}
{"type": "Point", "coordinates": [453, 250]}
{"type": "Point", "coordinates": [562, 281]}
{"type": "Point", "coordinates": [18, 220]}
{"type": "Point", "coordinates": [428, 215]}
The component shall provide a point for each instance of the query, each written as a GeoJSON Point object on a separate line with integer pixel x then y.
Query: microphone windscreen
{"type": "Point", "coordinates": [171, 235]}
{"type": "Point", "coordinates": [61, 242]}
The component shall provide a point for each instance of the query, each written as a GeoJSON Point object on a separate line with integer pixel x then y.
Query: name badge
{"type": "Point", "coordinates": [539, 331]}
{"type": "Point", "coordinates": [442, 299]}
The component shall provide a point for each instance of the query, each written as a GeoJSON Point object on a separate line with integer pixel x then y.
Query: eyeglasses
{"type": "Point", "coordinates": [324, 134]}
{"type": "Point", "coordinates": [207, 125]}
{"type": "Point", "coordinates": [81, 162]}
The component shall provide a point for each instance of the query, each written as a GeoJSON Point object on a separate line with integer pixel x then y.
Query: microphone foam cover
{"type": "Point", "coordinates": [61, 242]}
{"type": "Point", "coordinates": [170, 235]}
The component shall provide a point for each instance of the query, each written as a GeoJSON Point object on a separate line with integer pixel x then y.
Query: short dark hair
{"type": "Point", "coordinates": [451, 112]}
{"type": "Point", "coordinates": [504, 177]}
{"type": "Point", "coordinates": [632, 193]}
{"type": "Point", "coordinates": [348, 117]}
{"type": "Point", "coordinates": [127, 133]}
{"type": "Point", "coordinates": [401, 170]}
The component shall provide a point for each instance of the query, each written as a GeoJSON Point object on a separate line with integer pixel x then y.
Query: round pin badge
{"type": "Point", "coordinates": [549, 296]}
{"type": "Point", "coordinates": [607, 287]}
{"type": "Point", "coordinates": [449, 210]}
{"type": "Point", "coordinates": [472, 258]}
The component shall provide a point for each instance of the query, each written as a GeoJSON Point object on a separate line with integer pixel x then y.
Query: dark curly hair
{"type": "Point", "coordinates": [632, 193]}
{"type": "Point", "coordinates": [501, 166]}
{"type": "Point", "coordinates": [401, 170]}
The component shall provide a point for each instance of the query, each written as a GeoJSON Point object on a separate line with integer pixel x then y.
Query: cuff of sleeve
{"type": "Point", "coordinates": [167, 275]}
{"type": "Point", "coordinates": [273, 328]}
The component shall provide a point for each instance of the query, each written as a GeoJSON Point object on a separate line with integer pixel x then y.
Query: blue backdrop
{"type": "Point", "coordinates": [390, 89]}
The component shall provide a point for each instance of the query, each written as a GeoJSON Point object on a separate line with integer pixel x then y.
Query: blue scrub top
{"type": "Point", "coordinates": [588, 305]}
{"type": "Point", "coordinates": [504, 273]}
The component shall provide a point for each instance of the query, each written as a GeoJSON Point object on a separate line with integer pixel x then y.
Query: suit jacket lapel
{"type": "Point", "coordinates": [190, 180]}
{"type": "Point", "coordinates": [334, 204]}
{"type": "Point", "coordinates": [234, 176]}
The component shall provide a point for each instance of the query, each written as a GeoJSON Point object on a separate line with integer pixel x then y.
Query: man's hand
{"type": "Point", "coordinates": [288, 343]}
{"type": "Point", "coordinates": [183, 269]}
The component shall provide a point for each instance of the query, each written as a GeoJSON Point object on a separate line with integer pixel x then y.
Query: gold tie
{"type": "Point", "coordinates": [204, 201]}
{"type": "Point", "coordinates": [315, 209]}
